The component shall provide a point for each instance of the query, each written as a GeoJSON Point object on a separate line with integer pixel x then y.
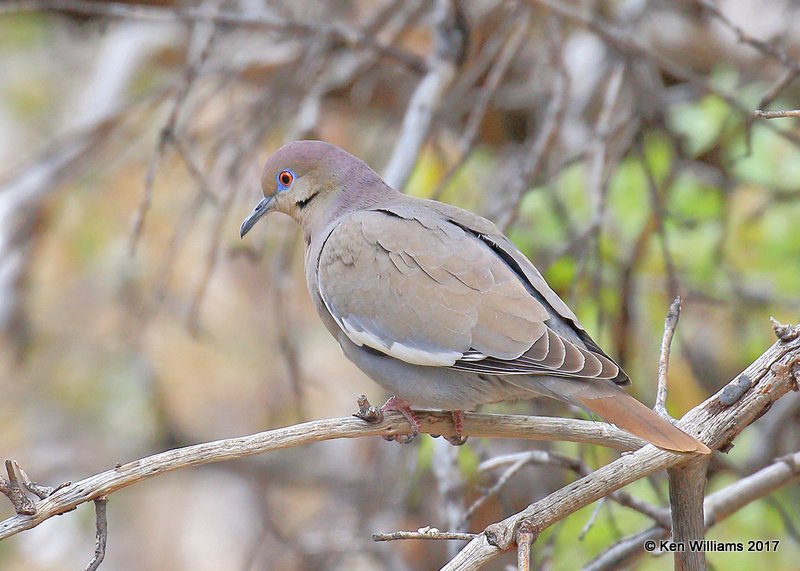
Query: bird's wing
{"type": "Point", "coordinates": [426, 291]}
{"type": "Point", "coordinates": [563, 320]}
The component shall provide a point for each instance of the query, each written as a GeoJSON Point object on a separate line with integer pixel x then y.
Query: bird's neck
{"type": "Point", "coordinates": [329, 208]}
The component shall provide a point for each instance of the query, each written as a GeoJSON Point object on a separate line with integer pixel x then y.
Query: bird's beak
{"type": "Point", "coordinates": [262, 208]}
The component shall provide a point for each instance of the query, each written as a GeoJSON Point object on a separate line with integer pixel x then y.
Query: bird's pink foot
{"type": "Point", "coordinates": [458, 424]}
{"type": "Point", "coordinates": [404, 408]}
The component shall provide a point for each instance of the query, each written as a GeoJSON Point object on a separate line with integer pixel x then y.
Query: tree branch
{"type": "Point", "coordinates": [717, 507]}
{"type": "Point", "coordinates": [777, 114]}
{"type": "Point", "coordinates": [670, 323]}
{"type": "Point", "coordinates": [687, 486]}
{"type": "Point", "coordinates": [423, 533]}
{"type": "Point", "coordinates": [476, 425]}
{"type": "Point", "coordinates": [101, 523]}
{"type": "Point", "coordinates": [351, 36]}
{"type": "Point", "coordinates": [773, 375]}
{"type": "Point", "coordinates": [427, 97]}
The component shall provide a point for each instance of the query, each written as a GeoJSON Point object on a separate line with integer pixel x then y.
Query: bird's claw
{"type": "Point", "coordinates": [457, 440]}
{"type": "Point", "coordinates": [374, 415]}
{"type": "Point", "coordinates": [401, 438]}
{"type": "Point", "coordinates": [403, 407]}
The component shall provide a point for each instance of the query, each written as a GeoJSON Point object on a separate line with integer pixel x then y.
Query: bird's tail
{"type": "Point", "coordinates": [616, 406]}
{"type": "Point", "coordinates": [634, 417]}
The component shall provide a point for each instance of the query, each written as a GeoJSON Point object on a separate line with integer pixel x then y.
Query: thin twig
{"type": "Point", "coordinates": [785, 79]}
{"type": "Point", "coordinates": [659, 216]}
{"type": "Point", "coordinates": [777, 114]}
{"type": "Point", "coordinates": [534, 161]}
{"type": "Point", "coordinates": [427, 97]}
{"type": "Point", "coordinates": [232, 161]}
{"type": "Point", "coordinates": [519, 460]}
{"type": "Point", "coordinates": [101, 523]}
{"type": "Point", "coordinates": [450, 489]}
{"type": "Point", "coordinates": [590, 522]}
{"type": "Point", "coordinates": [533, 164]}
{"type": "Point", "coordinates": [768, 49]}
{"type": "Point", "coordinates": [466, 142]}
{"type": "Point", "coordinates": [168, 131]}
{"type": "Point", "coordinates": [599, 176]}
{"type": "Point", "coordinates": [424, 533]}
{"type": "Point", "coordinates": [346, 66]}
{"type": "Point", "coordinates": [670, 323]}
{"type": "Point", "coordinates": [350, 36]}
{"type": "Point", "coordinates": [525, 538]}
{"type": "Point", "coordinates": [628, 44]}
{"type": "Point", "coordinates": [15, 493]}
{"type": "Point", "coordinates": [39, 490]}
{"type": "Point", "coordinates": [496, 74]}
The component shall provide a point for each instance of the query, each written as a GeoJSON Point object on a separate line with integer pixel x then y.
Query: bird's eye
{"type": "Point", "coordinates": [285, 178]}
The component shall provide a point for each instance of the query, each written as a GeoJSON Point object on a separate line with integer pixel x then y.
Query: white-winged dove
{"type": "Point", "coordinates": [434, 303]}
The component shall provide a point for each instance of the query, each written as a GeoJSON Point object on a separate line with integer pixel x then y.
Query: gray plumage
{"type": "Point", "coordinates": [434, 303]}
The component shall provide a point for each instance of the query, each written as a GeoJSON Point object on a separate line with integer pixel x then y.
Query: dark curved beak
{"type": "Point", "coordinates": [262, 208]}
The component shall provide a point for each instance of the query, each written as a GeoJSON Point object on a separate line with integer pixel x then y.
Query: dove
{"type": "Point", "coordinates": [435, 304]}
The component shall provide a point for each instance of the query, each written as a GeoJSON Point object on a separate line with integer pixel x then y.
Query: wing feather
{"type": "Point", "coordinates": [423, 290]}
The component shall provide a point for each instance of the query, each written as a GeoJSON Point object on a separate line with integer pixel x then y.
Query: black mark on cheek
{"type": "Point", "coordinates": [303, 203]}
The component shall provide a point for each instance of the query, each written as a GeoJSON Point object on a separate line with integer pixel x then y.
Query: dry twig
{"type": "Point", "coordinates": [670, 323]}
{"type": "Point", "coordinates": [350, 36]}
{"type": "Point", "coordinates": [427, 97]}
{"type": "Point", "coordinates": [101, 523]}
{"type": "Point", "coordinates": [777, 114]}
{"type": "Point", "coordinates": [475, 425]}
{"type": "Point", "coordinates": [423, 533]}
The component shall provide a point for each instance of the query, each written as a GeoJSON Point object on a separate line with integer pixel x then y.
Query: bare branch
{"type": "Point", "coordinates": [424, 533]}
{"type": "Point", "coordinates": [734, 497]}
{"type": "Point", "coordinates": [476, 425]}
{"type": "Point", "coordinates": [534, 162]}
{"type": "Point", "coordinates": [350, 36]}
{"type": "Point", "coordinates": [450, 487]}
{"type": "Point", "coordinates": [687, 486]}
{"type": "Point", "coordinates": [496, 73]}
{"type": "Point", "coordinates": [102, 534]}
{"type": "Point", "coordinates": [670, 323]}
{"type": "Point", "coordinates": [498, 70]}
{"type": "Point", "coordinates": [766, 48]}
{"type": "Point", "coordinates": [525, 539]}
{"type": "Point", "coordinates": [15, 493]}
{"type": "Point", "coordinates": [627, 44]}
{"type": "Point", "coordinates": [519, 460]}
{"type": "Point", "coordinates": [712, 422]}
{"type": "Point", "coordinates": [427, 97]}
{"type": "Point", "coordinates": [777, 114]}
{"type": "Point", "coordinates": [716, 507]}
{"type": "Point", "coordinates": [592, 518]}
{"type": "Point", "coordinates": [207, 35]}
{"type": "Point", "coordinates": [38, 490]}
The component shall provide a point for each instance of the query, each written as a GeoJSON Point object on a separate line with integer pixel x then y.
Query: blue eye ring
{"type": "Point", "coordinates": [285, 179]}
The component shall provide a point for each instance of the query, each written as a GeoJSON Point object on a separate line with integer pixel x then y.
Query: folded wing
{"type": "Point", "coordinates": [428, 292]}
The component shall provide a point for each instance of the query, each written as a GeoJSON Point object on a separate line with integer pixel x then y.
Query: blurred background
{"type": "Point", "coordinates": [614, 141]}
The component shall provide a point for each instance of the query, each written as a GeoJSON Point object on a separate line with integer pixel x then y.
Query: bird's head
{"type": "Point", "coordinates": [314, 182]}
